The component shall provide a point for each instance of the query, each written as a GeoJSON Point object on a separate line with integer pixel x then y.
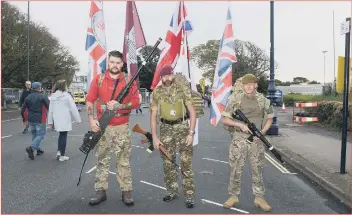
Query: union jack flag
{"type": "Point", "coordinates": [96, 41]}
{"type": "Point", "coordinates": [170, 52]}
{"type": "Point", "coordinates": [223, 72]}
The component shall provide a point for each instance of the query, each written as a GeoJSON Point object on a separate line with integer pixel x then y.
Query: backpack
{"type": "Point", "coordinates": [102, 76]}
{"type": "Point", "coordinates": [196, 96]}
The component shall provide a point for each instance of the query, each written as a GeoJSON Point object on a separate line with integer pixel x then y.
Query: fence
{"type": "Point", "coordinates": [145, 97]}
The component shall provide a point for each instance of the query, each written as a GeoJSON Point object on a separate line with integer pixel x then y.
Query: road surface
{"type": "Point", "coordinates": [46, 185]}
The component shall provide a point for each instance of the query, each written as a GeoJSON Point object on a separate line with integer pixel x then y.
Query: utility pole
{"type": "Point", "coordinates": [28, 43]}
{"type": "Point", "coordinates": [274, 128]}
{"type": "Point", "coordinates": [333, 36]}
{"type": "Point", "coordinates": [345, 29]}
{"type": "Point", "coordinates": [324, 65]}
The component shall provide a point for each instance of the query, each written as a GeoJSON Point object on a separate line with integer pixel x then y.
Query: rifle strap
{"type": "Point", "coordinates": [84, 162]}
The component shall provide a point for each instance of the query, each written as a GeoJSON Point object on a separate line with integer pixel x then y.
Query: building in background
{"type": "Point", "coordinates": [78, 83]}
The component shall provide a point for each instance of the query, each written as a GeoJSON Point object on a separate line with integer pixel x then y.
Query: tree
{"type": "Point", "coordinates": [147, 73]}
{"type": "Point", "coordinates": [300, 80]}
{"type": "Point", "coordinates": [250, 59]}
{"type": "Point", "coordinates": [48, 61]}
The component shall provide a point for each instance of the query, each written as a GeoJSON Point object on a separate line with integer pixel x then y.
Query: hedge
{"type": "Point", "coordinates": [330, 114]}
{"type": "Point", "coordinates": [289, 99]}
{"type": "Point", "coordinates": [328, 111]}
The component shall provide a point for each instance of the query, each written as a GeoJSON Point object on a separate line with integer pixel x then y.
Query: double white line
{"type": "Point", "coordinates": [268, 157]}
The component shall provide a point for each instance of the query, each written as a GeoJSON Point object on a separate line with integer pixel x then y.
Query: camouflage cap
{"type": "Point", "coordinates": [249, 78]}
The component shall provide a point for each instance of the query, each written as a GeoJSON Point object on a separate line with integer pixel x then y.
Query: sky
{"type": "Point", "coordinates": [302, 29]}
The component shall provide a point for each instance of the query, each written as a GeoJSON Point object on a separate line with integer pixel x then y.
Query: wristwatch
{"type": "Point", "coordinates": [191, 133]}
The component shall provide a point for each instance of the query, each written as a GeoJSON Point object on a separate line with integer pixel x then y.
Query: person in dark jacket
{"type": "Point", "coordinates": [24, 95]}
{"type": "Point", "coordinates": [37, 105]}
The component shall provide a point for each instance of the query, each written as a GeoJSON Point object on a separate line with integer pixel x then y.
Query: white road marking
{"type": "Point", "coordinates": [6, 136]}
{"type": "Point", "coordinates": [209, 159]}
{"type": "Point", "coordinates": [137, 146]}
{"type": "Point", "coordinates": [268, 158]}
{"type": "Point", "coordinates": [154, 185]}
{"type": "Point", "coordinates": [8, 120]}
{"type": "Point", "coordinates": [218, 204]}
{"type": "Point", "coordinates": [91, 170]}
{"type": "Point", "coordinates": [276, 164]}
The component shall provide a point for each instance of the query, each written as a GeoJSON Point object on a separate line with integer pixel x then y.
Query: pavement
{"type": "Point", "coordinates": [46, 185]}
{"type": "Point", "coordinates": [316, 153]}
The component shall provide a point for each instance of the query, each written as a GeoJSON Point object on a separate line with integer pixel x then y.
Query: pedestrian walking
{"type": "Point", "coordinates": [104, 88]}
{"type": "Point", "coordinates": [24, 95]}
{"type": "Point", "coordinates": [62, 111]}
{"type": "Point", "coordinates": [37, 105]}
{"type": "Point", "coordinates": [257, 108]}
{"type": "Point", "coordinates": [169, 99]}
{"type": "Point", "coordinates": [139, 107]}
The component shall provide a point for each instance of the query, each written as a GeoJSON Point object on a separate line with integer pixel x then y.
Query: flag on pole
{"type": "Point", "coordinates": [96, 41]}
{"type": "Point", "coordinates": [171, 46]}
{"type": "Point", "coordinates": [183, 63]}
{"type": "Point", "coordinates": [222, 83]}
{"type": "Point", "coordinates": [133, 39]}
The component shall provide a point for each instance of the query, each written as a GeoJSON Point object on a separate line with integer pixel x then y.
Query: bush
{"type": "Point", "coordinates": [289, 99]}
{"type": "Point", "coordinates": [330, 114]}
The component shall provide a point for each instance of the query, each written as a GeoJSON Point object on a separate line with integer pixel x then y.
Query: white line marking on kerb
{"type": "Point", "coordinates": [8, 120]}
{"type": "Point", "coordinates": [154, 185]}
{"type": "Point", "coordinates": [6, 136]}
{"type": "Point", "coordinates": [91, 170]}
{"type": "Point", "coordinates": [218, 204]}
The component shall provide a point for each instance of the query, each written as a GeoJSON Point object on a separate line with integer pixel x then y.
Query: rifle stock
{"type": "Point", "coordinates": [91, 138]}
{"type": "Point", "coordinates": [149, 136]}
{"type": "Point", "coordinates": [255, 132]}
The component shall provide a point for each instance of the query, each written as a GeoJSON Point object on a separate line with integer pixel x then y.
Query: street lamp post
{"type": "Point", "coordinates": [274, 129]}
{"type": "Point", "coordinates": [324, 65]}
{"type": "Point", "coordinates": [28, 43]}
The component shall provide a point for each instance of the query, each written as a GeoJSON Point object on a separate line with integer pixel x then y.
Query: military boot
{"type": "Point", "coordinates": [127, 198]}
{"type": "Point", "coordinates": [231, 202]}
{"type": "Point", "coordinates": [100, 196]}
{"type": "Point", "coordinates": [189, 202]}
{"type": "Point", "coordinates": [261, 203]}
{"type": "Point", "coordinates": [170, 197]}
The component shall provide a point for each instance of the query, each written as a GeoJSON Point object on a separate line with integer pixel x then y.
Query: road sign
{"type": "Point", "coordinates": [345, 27]}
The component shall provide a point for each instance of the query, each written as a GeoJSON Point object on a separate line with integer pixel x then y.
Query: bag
{"type": "Point", "coordinates": [102, 76]}
{"type": "Point", "coordinates": [196, 96]}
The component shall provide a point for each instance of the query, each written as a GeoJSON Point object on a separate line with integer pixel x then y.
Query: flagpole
{"type": "Point", "coordinates": [185, 34]}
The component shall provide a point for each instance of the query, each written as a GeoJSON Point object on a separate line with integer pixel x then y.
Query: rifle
{"type": "Point", "coordinates": [150, 149]}
{"type": "Point", "coordinates": [91, 138]}
{"type": "Point", "coordinates": [255, 132]}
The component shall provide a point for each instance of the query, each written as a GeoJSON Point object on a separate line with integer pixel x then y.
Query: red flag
{"type": "Point", "coordinates": [133, 39]}
{"type": "Point", "coordinates": [172, 44]}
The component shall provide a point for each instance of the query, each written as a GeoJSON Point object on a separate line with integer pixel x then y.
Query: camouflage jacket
{"type": "Point", "coordinates": [179, 90]}
{"type": "Point", "coordinates": [234, 102]}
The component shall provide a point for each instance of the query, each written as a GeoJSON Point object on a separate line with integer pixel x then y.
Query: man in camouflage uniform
{"type": "Point", "coordinates": [169, 101]}
{"type": "Point", "coordinates": [116, 139]}
{"type": "Point", "coordinates": [256, 108]}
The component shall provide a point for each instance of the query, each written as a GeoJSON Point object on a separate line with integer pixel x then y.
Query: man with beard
{"type": "Point", "coordinates": [168, 101]}
{"type": "Point", "coordinates": [117, 137]}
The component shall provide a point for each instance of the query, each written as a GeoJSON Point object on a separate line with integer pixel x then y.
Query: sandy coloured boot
{"type": "Point", "coordinates": [261, 203]}
{"type": "Point", "coordinates": [231, 202]}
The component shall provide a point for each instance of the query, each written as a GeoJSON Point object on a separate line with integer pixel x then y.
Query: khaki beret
{"type": "Point", "coordinates": [249, 78]}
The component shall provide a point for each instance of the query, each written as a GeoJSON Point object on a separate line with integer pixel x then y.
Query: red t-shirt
{"type": "Point", "coordinates": [104, 93]}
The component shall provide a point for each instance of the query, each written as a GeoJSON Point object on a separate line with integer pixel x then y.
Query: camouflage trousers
{"type": "Point", "coordinates": [238, 152]}
{"type": "Point", "coordinates": [116, 139]}
{"type": "Point", "coordinates": [173, 137]}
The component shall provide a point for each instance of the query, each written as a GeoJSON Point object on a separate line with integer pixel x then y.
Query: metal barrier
{"type": "Point", "coordinates": [145, 97]}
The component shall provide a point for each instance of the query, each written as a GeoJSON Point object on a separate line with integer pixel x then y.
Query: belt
{"type": "Point", "coordinates": [173, 122]}
{"type": "Point", "coordinates": [122, 114]}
